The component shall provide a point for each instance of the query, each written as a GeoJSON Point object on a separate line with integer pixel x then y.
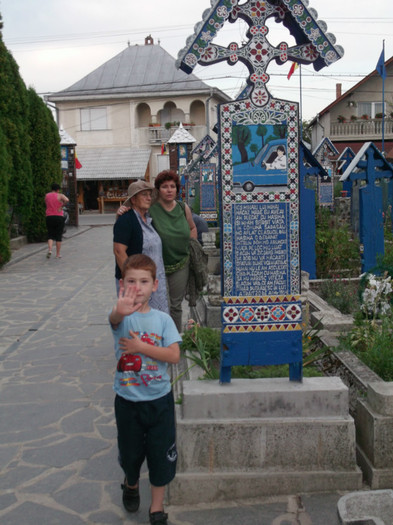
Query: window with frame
{"type": "Point", "coordinates": [93, 119]}
{"type": "Point", "coordinates": [369, 108]}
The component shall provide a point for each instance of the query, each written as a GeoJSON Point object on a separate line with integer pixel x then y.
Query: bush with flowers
{"type": "Point", "coordinates": [371, 339]}
{"type": "Point", "coordinates": [377, 296]}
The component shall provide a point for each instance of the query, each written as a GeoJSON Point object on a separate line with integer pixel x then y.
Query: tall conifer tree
{"type": "Point", "coordinates": [14, 119]}
{"type": "Point", "coordinates": [45, 161]}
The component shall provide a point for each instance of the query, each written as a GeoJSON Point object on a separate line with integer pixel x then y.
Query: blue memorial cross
{"type": "Point", "coordinates": [369, 165]}
{"type": "Point", "coordinates": [259, 181]}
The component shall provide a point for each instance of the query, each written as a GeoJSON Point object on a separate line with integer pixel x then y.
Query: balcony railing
{"type": "Point", "coordinates": [362, 129]}
{"type": "Point", "coordinates": [160, 134]}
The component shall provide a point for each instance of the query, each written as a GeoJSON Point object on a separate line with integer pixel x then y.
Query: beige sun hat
{"type": "Point", "coordinates": [136, 187]}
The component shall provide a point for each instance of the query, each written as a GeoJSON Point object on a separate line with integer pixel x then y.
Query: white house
{"type": "Point", "coordinates": [121, 115]}
{"type": "Point", "coordinates": [354, 117]}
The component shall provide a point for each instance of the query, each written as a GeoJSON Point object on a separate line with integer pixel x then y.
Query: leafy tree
{"type": "Point", "coordinates": [254, 149]}
{"type": "Point", "coordinates": [261, 132]}
{"type": "Point", "coordinates": [45, 162]}
{"type": "Point", "coordinates": [279, 131]}
{"type": "Point", "coordinates": [306, 131]}
{"type": "Point", "coordinates": [241, 137]}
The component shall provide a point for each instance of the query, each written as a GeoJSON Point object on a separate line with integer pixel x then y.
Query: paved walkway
{"type": "Point", "coordinates": [58, 454]}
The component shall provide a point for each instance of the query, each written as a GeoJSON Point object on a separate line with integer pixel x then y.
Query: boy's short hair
{"type": "Point", "coordinates": [281, 148]}
{"type": "Point", "coordinates": [139, 261]}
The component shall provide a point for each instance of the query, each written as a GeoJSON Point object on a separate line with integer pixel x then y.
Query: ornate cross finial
{"type": "Point", "coordinates": [313, 46]}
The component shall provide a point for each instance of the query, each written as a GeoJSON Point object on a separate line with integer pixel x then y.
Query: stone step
{"type": "Point", "coordinates": [315, 397]}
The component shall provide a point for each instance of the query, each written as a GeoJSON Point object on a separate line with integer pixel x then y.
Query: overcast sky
{"type": "Point", "coordinates": [57, 42]}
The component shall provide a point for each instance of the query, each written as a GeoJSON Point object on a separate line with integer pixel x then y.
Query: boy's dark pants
{"type": "Point", "coordinates": [146, 429]}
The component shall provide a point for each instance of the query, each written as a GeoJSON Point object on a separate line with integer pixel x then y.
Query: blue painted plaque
{"type": "Point", "coordinates": [208, 192]}
{"type": "Point", "coordinates": [261, 235]}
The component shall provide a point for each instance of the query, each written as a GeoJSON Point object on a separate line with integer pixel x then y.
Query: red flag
{"type": "Point", "coordinates": [294, 67]}
{"type": "Point", "coordinates": [78, 165]}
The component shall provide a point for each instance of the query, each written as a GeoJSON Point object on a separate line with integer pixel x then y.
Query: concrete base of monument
{"type": "Point", "coordinates": [262, 437]}
{"type": "Point", "coordinates": [207, 311]}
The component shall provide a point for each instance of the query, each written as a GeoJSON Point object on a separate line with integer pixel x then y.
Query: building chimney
{"type": "Point", "coordinates": [338, 90]}
{"type": "Point", "coordinates": [149, 41]}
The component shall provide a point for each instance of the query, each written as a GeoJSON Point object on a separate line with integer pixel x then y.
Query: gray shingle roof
{"type": "Point", "coordinates": [136, 70]}
{"type": "Point", "coordinates": [181, 136]}
{"type": "Point", "coordinates": [112, 163]}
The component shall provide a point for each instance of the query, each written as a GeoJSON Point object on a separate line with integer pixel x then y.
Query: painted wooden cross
{"type": "Point", "coordinates": [369, 165]}
{"type": "Point", "coordinates": [325, 153]}
{"type": "Point", "coordinates": [343, 161]}
{"type": "Point", "coordinates": [259, 181]}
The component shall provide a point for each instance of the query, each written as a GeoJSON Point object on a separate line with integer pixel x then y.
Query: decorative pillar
{"type": "Point", "coordinates": [69, 184]}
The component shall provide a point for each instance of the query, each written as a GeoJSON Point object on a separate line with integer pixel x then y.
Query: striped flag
{"type": "Point", "coordinates": [294, 67]}
{"type": "Point", "coordinates": [78, 165]}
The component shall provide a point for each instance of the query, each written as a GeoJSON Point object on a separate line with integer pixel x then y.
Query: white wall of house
{"type": "Point", "coordinates": [127, 120]}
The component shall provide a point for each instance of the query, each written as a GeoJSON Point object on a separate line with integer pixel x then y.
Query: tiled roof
{"type": "Point", "coordinates": [65, 138]}
{"type": "Point", "coordinates": [181, 136]}
{"type": "Point", "coordinates": [112, 163]}
{"type": "Point", "coordinates": [137, 70]}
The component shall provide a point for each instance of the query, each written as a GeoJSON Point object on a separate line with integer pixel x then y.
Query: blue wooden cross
{"type": "Point", "coordinates": [259, 180]}
{"type": "Point", "coordinates": [369, 165]}
{"type": "Point", "coordinates": [344, 160]}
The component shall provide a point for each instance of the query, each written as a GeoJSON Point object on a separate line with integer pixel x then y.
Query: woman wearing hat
{"type": "Point", "coordinates": [133, 233]}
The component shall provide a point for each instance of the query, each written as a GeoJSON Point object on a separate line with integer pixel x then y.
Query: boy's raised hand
{"type": "Point", "coordinates": [126, 304]}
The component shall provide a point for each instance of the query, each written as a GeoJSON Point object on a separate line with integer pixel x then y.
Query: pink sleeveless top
{"type": "Point", "coordinates": [53, 205]}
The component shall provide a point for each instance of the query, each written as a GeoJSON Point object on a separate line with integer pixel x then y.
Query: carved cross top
{"type": "Point", "coordinates": [313, 45]}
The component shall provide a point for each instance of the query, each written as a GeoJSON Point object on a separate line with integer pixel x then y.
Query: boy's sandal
{"type": "Point", "coordinates": [48, 255]}
{"type": "Point", "coordinates": [131, 499]}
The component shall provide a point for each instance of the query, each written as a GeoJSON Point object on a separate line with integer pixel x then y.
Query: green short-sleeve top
{"type": "Point", "coordinates": [173, 228]}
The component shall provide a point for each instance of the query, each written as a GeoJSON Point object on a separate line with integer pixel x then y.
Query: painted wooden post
{"type": "Point", "coordinates": [201, 173]}
{"type": "Point", "coordinates": [369, 165]}
{"type": "Point", "coordinates": [180, 147]}
{"type": "Point", "coordinates": [69, 184]}
{"type": "Point", "coordinates": [309, 167]}
{"type": "Point", "coordinates": [324, 153]}
{"type": "Point", "coordinates": [259, 182]}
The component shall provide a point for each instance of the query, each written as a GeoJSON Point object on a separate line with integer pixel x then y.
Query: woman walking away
{"type": "Point", "coordinates": [54, 202]}
{"type": "Point", "coordinates": [174, 224]}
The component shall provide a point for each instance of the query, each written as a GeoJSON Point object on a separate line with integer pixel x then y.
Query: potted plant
{"type": "Point", "coordinates": [353, 118]}
{"type": "Point", "coordinates": [341, 118]}
{"type": "Point", "coordinates": [379, 115]}
{"type": "Point", "coordinates": [168, 125]}
{"type": "Point", "coordinates": [364, 117]}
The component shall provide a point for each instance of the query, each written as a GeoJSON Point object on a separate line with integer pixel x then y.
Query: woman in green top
{"type": "Point", "coordinates": [174, 223]}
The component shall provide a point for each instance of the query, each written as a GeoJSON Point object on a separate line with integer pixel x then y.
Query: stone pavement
{"type": "Point", "coordinates": [58, 454]}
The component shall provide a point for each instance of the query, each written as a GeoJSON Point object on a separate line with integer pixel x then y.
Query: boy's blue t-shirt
{"type": "Point", "coordinates": [152, 381]}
